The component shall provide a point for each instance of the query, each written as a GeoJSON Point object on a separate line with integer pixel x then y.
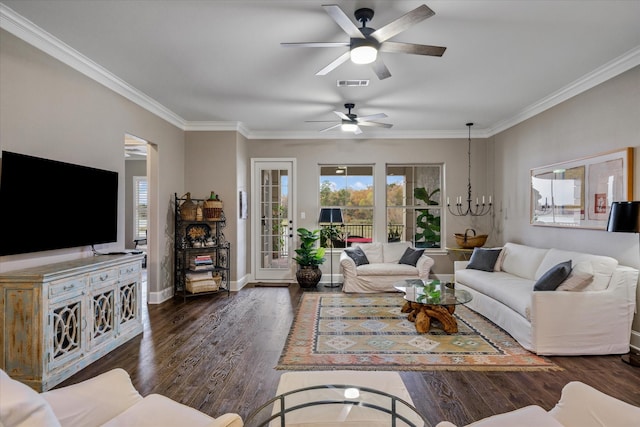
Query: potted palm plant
{"type": "Point", "coordinates": [309, 257]}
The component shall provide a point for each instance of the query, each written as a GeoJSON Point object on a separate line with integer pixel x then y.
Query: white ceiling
{"type": "Point", "coordinates": [210, 64]}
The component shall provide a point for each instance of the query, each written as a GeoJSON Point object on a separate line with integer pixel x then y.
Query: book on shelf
{"type": "Point", "coordinates": [201, 267]}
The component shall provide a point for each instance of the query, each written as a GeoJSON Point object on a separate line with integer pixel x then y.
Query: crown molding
{"type": "Point", "coordinates": [601, 74]}
{"type": "Point", "coordinates": [368, 134]}
{"type": "Point", "coordinates": [37, 37]}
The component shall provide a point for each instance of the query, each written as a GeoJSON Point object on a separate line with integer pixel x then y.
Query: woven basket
{"type": "Point", "coordinates": [467, 241]}
{"type": "Point", "coordinates": [212, 210]}
{"type": "Point", "coordinates": [209, 285]}
{"type": "Point", "coordinates": [188, 209]}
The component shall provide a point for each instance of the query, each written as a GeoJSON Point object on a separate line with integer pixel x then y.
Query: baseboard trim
{"type": "Point", "coordinates": [635, 340]}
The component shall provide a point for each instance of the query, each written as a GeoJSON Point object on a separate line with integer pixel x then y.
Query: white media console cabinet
{"type": "Point", "coordinates": [56, 319]}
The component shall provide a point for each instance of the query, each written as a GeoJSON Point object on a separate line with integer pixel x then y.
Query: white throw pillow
{"type": "Point", "coordinates": [373, 251]}
{"type": "Point", "coordinates": [577, 281]}
{"type": "Point", "coordinates": [21, 406]}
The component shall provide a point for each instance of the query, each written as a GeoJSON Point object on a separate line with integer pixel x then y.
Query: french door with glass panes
{"type": "Point", "coordinates": [272, 213]}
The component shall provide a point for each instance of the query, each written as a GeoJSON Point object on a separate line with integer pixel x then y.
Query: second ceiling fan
{"type": "Point", "coordinates": [366, 42]}
{"type": "Point", "coordinates": [351, 122]}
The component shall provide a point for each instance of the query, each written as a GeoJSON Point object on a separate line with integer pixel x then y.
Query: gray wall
{"type": "Point", "coordinates": [49, 110]}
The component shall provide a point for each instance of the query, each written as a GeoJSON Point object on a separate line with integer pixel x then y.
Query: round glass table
{"type": "Point", "coordinates": [429, 300]}
{"type": "Point", "coordinates": [329, 405]}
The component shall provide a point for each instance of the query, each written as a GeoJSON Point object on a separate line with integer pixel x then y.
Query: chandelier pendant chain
{"type": "Point", "coordinates": [480, 208]}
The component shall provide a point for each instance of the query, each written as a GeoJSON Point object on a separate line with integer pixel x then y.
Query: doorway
{"type": "Point", "coordinates": [272, 184]}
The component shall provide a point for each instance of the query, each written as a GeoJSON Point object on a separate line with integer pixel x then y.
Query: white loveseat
{"type": "Point", "coordinates": [108, 399]}
{"type": "Point", "coordinates": [594, 320]}
{"type": "Point", "coordinates": [580, 406]}
{"type": "Point", "coordinates": [383, 269]}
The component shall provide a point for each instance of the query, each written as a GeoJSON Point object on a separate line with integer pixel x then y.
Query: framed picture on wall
{"type": "Point", "coordinates": [578, 193]}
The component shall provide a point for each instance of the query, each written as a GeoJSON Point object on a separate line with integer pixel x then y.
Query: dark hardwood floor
{"type": "Point", "coordinates": [218, 354]}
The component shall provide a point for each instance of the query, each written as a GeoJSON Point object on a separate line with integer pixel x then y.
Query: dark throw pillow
{"type": "Point", "coordinates": [411, 256]}
{"type": "Point", "coordinates": [554, 277]}
{"type": "Point", "coordinates": [357, 255]}
{"type": "Point", "coordinates": [483, 259]}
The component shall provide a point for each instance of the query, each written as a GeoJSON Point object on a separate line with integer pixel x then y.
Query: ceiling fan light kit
{"type": "Point", "coordinates": [365, 42]}
{"type": "Point", "coordinates": [364, 54]}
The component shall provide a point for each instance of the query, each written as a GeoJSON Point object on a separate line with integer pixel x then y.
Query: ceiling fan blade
{"type": "Point", "coordinates": [358, 131]}
{"type": "Point", "coordinates": [331, 127]}
{"type": "Point", "coordinates": [375, 124]}
{"type": "Point", "coordinates": [341, 59]}
{"type": "Point", "coordinates": [343, 116]}
{"type": "Point", "coordinates": [316, 44]}
{"type": "Point", "coordinates": [380, 69]}
{"type": "Point", "coordinates": [417, 49]}
{"type": "Point", "coordinates": [407, 20]}
{"type": "Point", "coordinates": [319, 121]}
{"type": "Point", "coordinates": [343, 21]}
{"type": "Point", "coordinates": [371, 117]}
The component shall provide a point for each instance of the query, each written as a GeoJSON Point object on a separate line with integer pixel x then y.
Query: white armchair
{"type": "Point", "coordinates": [580, 406]}
{"type": "Point", "coordinates": [108, 399]}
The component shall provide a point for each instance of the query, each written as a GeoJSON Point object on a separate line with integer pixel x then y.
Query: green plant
{"type": "Point", "coordinates": [330, 235]}
{"type": "Point", "coordinates": [427, 224]}
{"type": "Point", "coordinates": [308, 253]}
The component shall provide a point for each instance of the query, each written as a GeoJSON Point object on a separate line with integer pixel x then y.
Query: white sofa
{"type": "Point", "coordinates": [594, 320]}
{"type": "Point", "coordinates": [108, 400]}
{"type": "Point", "coordinates": [580, 406]}
{"type": "Point", "coordinates": [383, 269]}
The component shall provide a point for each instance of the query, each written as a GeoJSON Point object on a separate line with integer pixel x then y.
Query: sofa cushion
{"type": "Point", "coordinates": [157, 410]}
{"type": "Point", "coordinates": [512, 291]}
{"type": "Point", "coordinates": [73, 409]}
{"type": "Point", "coordinates": [529, 416]}
{"type": "Point", "coordinates": [550, 280]}
{"type": "Point", "coordinates": [484, 259]}
{"type": "Point", "coordinates": [392, 252]}
{"type": "Point", "coordinates": [373, 251]}
{"type": "Point", "coordinates": [577, 281]}
{"type": "Point", "coordinates": [387, 269]}
{"type": "Point", "coordinates": [602, 267]}
{"type": "Point", "coordinates": [21, 406]}
{"type": "Point", "coordinates": [523, 261]}
{"type": "Point", "coordinates": [357, 255]}
{"type": "Point", "coordinates": [411, 256]}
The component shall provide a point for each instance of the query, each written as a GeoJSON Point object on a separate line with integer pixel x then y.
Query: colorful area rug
{"type": "Point", "coordinates": [368, 332]}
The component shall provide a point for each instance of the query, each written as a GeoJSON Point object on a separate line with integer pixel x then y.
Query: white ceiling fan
{"type": "Point", "coordinates": [366, 42]}
{"type": "Point", "coordinates": [350, 122]}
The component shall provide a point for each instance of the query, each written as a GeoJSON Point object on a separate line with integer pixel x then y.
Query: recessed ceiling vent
{"type": "Point", "coordinates": [353, 83]}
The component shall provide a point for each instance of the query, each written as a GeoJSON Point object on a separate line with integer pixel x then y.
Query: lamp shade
{"type": "Point", "coordinates": [330, 216]}
{"type": "Point", "coordinates": [624, 217]}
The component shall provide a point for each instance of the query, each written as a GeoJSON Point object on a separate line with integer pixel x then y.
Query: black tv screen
{"type": "Point", "coordinates": [47, 204]}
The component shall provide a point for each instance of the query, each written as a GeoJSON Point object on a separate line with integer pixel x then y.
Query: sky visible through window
{"type": "Point", "coordinates": [357, 182]}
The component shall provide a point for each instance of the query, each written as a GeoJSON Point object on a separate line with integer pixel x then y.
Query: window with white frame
{"type": "Point", "coordinates": [140, 207]}
{"type": "Point", "coordinates": [414, 204]}
{"type": "Point", "coordinates": [350, 188]}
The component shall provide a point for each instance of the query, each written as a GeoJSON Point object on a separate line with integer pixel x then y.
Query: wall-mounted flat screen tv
{"type": "Point", "coordinates": [47, 204]}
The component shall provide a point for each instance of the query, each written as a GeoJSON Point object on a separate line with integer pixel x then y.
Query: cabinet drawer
{"type": "Point", "coordinates": [128, 269]}
{"type": "Point", "coordinates": [103, 276]}
{"type": "Point", "coordinates": [66, 287]}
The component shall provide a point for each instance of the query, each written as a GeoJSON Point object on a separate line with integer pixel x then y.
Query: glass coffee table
{"type": "Point", "coordinates": [431, 300]}
{"type": "Point", "coordinates": [338, 397]}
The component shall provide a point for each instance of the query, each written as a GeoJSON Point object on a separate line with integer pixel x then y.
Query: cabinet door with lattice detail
{"type": "Point", "coordinates": [103, 315]}
{"type": "Point", "coordinates": [128, 305]}
{"type": "Point", "coordinates": [66, 323]}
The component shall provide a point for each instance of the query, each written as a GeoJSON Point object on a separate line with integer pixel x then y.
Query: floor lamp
{"type": "Point", "coordinates": [625, 218]}
{"type": "Point", "coordinates": [331, 216]}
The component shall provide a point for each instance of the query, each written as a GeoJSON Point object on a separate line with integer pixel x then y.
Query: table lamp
{"type": "Point", "coordinates": [625, 218]}
{"type": "Point", "coordinates": [331, 216]}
